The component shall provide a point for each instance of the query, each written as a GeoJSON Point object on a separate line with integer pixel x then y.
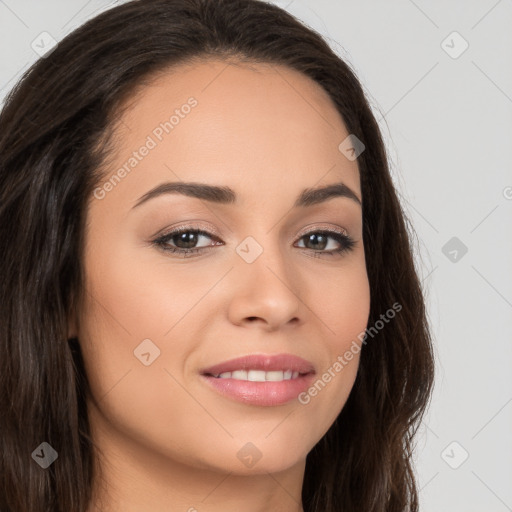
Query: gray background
{"type": "Point", "coordinates": [447, 120]}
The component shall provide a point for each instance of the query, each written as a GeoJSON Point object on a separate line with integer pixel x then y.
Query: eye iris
{"type": "Point", "coordinates": [189, 238]}
{"type": "Point", "coordinates": [314, 236]}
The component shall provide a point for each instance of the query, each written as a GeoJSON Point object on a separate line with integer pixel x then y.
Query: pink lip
{"type": "Point", "coordinates": [267, 393]}
{"type": "Point", "coordinates": [267, 363]}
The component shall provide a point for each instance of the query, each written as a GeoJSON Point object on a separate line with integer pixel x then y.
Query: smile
{"type": "Point", "coordinates": [259, 375]}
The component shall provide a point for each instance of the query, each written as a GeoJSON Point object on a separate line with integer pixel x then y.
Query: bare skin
{"type": "Point", "coordinates": [168, 441]}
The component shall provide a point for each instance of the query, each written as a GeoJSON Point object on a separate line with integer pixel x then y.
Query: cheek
{"type": "Point", "coordinates": [151, 407]}
{"type": "Point", "coordinates": [139, 296]}
{"type": "Point", "coordinates": [343, 304]}
{"type": "Point", "coordinates": [120, 311]}
{"type": "Point", "coordinates": [344, 309]}
{"type": "Point", "coordinates": [130, 301]}
{"type": "Point", "coordinates": [135, 295]}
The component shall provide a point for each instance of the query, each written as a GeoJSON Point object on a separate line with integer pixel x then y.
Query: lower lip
{"type": "Point", "coordinates": [266, 393]}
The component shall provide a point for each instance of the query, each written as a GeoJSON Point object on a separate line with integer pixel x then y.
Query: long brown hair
{"type": "Point", "coordinates": [54, 137]}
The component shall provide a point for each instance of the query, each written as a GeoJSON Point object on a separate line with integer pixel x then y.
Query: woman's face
{"type": "Point", "coordinates": [262, 281]}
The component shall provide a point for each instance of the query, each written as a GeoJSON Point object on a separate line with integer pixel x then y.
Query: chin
{"type": "Point", "coordinates": [259, 456]}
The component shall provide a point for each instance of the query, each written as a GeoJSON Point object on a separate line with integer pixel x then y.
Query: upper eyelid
{"type": "Point", "coordinates": [322, 227]}
{"type": "Point", "coordinates": [212, 233]}
{"type": "Point", "coordinates": [215, 237]}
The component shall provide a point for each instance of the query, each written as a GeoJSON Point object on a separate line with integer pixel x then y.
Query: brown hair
{"type": "Point", "coordinates": [54, 131]}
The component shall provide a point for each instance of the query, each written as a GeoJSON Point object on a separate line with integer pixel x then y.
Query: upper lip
{"type": "Point", "coordinates": [277, 362]}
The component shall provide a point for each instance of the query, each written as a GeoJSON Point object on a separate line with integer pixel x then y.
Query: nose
{"type": "Point", "coordinates": [266, 293]}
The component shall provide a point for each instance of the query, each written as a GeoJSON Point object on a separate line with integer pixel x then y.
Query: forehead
{"type": "Point", "coordinates": [257, 127]}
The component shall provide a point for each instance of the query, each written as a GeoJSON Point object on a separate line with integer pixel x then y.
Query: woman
{"type": "Point", "coordinates": [210, 298]}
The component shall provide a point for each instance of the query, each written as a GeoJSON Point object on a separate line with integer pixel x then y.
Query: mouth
{"type": "Point", "coordinates": [259, 375]}
{"type": "Point", "coordinates": [257, 366]}
{"type": "Point", "coordinates": [265, 380]}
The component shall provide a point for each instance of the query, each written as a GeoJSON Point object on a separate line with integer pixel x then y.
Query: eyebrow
{"type": "Point", "coordinates": [226, 195]}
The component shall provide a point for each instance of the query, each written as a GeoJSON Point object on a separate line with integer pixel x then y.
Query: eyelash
{"type": "Point", "coordinates": [345, 241]}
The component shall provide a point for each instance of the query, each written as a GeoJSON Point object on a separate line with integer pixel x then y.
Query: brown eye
{"type": "Point", "coordinates": [317, 241]}
{"type": "Point", "coordinates": [183, 241]}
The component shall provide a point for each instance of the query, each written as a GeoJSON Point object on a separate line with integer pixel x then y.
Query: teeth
{"type": "Point", "coordinates": [275, 376]}
{"type": "Point", "coordinates": [256, 375]}
{"type": "Point", "coordinates": [259, 375]}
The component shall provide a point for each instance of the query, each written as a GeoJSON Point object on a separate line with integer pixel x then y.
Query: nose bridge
{"type": "Point", "coordinates": [265, 249]}
{"type": "Point", "coordinates": [263, 236]}
{"type": "Point", "coordinates": [267, 288]}
{"type": "Point", "coordinates": [264, 257]}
